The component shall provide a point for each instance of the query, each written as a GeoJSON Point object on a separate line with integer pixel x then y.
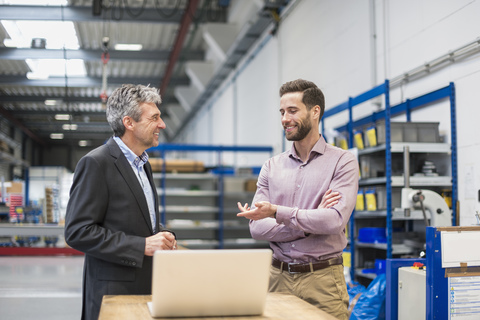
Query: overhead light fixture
{"type": "Point", "coordinates": [61, 117]}
{"type": "Point", "coordinates": [52, 102]}
{"type": "Point", "coordinates": [83, 143]}
{"type": "Point", "coordinates": [56, 136]}
{"type": "Point", "coordinates": [11, 43]}
{"type": "Point", "coordinates": [128, 47]}
{"type": "Point", "coordinates": [67, 126]}
{"type": "Point", "coordinates": [37, 76]}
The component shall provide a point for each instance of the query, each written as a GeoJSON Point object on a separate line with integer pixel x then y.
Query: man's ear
{"type": "Point", "coordinates": [316, 111]}
{"type": "Point", "coordinates": [128, 123]}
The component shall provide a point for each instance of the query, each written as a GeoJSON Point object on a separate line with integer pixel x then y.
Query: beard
{"type": "Point", "coordinates": [303, 129]}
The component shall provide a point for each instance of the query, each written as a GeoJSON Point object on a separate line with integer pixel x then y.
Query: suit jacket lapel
{"type": "Point", "coordinates": [126, 171]}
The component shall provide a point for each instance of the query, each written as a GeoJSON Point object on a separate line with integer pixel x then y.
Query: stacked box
{"type": "Point", "coordinates": [176, 165]}
{"type": "Point", "coordinates": [409, 132]}
{"type": "Point", "coordinates": [251, 185]}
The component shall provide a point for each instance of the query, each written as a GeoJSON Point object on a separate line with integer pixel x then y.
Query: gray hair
{"type": "Point", "coordinates": [125, 101]}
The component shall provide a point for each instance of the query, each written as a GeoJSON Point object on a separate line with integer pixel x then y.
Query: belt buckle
{"type": "Point", "coordinates": [293, 264]}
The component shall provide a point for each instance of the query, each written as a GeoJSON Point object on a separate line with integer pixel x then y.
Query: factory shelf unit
{"type": "Point", "coordinates": [387, 159]}
{"type": "Point", "coordinates": [200, 207]}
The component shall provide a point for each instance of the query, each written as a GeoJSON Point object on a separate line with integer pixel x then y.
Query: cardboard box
{"type": "Point", "coordinates": [4, 146]}
{"type": "Point", "coordinates": [251, 185]}
{"type": "Point", "coordinates": [15, 187]}
{"type": "Point", "coordinates": [176, 165]}
{"type": "Point", "coordinates": [232, 184]}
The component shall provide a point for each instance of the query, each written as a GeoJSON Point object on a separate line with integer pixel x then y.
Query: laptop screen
{"type": "Point", "coordinates": [193, 283]}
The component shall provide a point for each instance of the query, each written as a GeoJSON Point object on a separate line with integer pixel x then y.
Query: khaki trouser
{"type": "Point", "coordinates": [324, 288]}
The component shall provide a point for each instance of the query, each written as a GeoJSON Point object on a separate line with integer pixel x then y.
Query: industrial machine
{"type": "Point", "coordinates": [440, 215]}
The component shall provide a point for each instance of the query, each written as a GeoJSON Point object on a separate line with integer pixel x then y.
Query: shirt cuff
{"type": "Point", "coordinates": [281, 214]}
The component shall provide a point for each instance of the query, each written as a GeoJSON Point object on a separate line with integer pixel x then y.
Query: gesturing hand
{"type": "Point", "coordinates": [263, 209]}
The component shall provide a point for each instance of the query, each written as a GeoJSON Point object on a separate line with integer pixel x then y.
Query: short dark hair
{"type": "Point", "coordinates": [312, 95]}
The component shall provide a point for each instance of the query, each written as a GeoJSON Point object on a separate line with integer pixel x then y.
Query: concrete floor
{"type": "Point", "coordinates": [40, 288]}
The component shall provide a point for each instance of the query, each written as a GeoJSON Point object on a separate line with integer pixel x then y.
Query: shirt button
{"type": "Point", "coordinates": [298, 186]}
{"type": "Point", "coordinates": [293, 245]}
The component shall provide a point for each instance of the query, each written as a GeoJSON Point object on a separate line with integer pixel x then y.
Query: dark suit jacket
{"type": "Point", "coordinates": [107, 218]}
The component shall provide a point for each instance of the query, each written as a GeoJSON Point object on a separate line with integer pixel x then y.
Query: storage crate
{"type": "Point", "coordinates": [409, 132]}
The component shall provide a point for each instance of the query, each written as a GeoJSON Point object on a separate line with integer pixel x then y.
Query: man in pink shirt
{"type": "Point", "coordinates": [295, 209]}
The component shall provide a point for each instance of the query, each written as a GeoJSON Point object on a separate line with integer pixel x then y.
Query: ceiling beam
{"type": "Point", "coordinates": [92, 55]}
{"type": "Point", "coordinates": [84, 14]}
{"type": "Point", "coordinates": [20, 125]}
{"type": "Point", "coordinates": [26, 98]}
{"type": "Point", "coordinates": [177, 47]}
{"type": "Point", "coordinates": [72, 135]}
{"type": "Point", "coordinates": [82, 126]}
{"type": "Point", "coordinates": [80, 82]}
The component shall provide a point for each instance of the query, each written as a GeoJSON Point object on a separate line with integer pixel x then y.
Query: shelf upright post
{"type": "Point", "coordinates": [220, 201]}
{"type": "Point", "coordinates": [388, 168]}
{"type": "Point", "coordinates": [408, 111]}
{"type": "Point", "coordinates": [350, 122]}
{"type": "Point", "coordinates": [352, 217]}
{"type": "Point", "coordinates": [453, 129]}
{"type": "Point", "coordinates": [163, 184]}
{"type": "Point", "coordinates": [352, 245]}
{"type": "Point", "coordinates": [27, 186]}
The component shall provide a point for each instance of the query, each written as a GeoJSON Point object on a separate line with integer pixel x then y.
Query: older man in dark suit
{"type": "Point", "coordinates": [112, 215]}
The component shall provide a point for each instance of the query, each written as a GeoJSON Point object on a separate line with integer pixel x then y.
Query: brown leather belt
{"type": "Point", "coordinates": [306, 267]}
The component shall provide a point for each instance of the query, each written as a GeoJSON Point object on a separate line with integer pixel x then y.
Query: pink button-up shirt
{"type": "Point", "coordinates": [301, 232]}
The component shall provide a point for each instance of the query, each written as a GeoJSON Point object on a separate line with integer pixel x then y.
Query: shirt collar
{"type": "Point", "coordinates": [132, 158]}
{"type": "Point", "coordinates": [319, 148]}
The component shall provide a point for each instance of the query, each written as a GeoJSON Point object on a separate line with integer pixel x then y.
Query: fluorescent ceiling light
{"type": "Point", "coordinates": [56, 136]}
{"type": "Point", "coordinates": [10, 43]}
{"type": "Point", "coordinates": [37, 76]}
{"type": "Point", "coordinates": [67, 126]}
{"type": "Point", "coordinates": [35, 2]}
{"type": "Point", "coordinates": [62, 116]}
{"type": "Point", "coordinates": [128, 47]}
{"type": "Point", "coordinates": [56, 67]}
{"type": "Point", "coordinates": [53, 102]}
{"type": "Point", "coordinates": [58, 35]}
{"type": "Point", "coordinates": [83, 143]}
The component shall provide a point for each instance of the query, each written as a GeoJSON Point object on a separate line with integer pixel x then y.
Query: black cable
{"type": "Point", "coordinates": [130, 13]}
{"type": "Point", "coordinates": [118, 8]}
{"type": "Point", "coordinates": [169, 15]}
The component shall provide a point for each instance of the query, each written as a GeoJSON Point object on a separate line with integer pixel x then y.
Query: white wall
{"type": "Point", "coordinates": [347, 47]}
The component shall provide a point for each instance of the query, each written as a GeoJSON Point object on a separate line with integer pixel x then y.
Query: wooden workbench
{"type": "Point", "coordinates": [278, 307]}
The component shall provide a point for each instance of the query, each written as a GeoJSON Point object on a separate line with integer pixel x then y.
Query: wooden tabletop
{"type": "Point", "coordinates": [277, 307]}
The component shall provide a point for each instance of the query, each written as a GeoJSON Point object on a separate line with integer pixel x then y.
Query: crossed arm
{"type": "Point", "coordinates": [265, 209]}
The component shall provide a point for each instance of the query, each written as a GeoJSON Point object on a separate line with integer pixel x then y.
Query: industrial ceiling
{"type": "Point", "coordinates": [188, 49]}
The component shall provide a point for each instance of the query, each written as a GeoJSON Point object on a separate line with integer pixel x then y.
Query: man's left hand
{"type": "Point", "coordinates": [263, 209]}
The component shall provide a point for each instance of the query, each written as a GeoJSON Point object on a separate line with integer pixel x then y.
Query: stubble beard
{"type": "Point", "coordinates": [303, 128]}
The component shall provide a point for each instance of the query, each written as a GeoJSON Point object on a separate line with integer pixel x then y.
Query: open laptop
{"type": "Point", "coordinates": [197, 283]}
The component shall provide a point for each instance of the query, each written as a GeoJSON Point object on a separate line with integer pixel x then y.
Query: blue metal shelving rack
{"type": "Point", "coordinates": [406, 107]}
{"type": "Point", "coordinates": [219, 149]}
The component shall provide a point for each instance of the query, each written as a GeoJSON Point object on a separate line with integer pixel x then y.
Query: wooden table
{"type": "Point", "coordinates": [278, 307]}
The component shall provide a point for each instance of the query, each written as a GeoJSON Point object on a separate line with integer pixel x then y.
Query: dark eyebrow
{"type": "Point", "coordinates": [290, 108]}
